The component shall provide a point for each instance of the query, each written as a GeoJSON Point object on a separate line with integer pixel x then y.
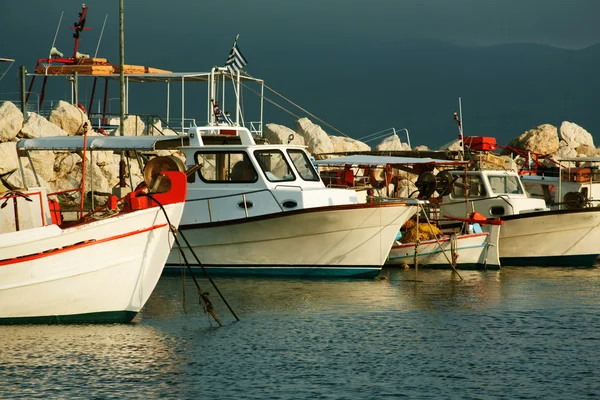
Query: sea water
{"type": "Point", "coordinates": [518, 333]}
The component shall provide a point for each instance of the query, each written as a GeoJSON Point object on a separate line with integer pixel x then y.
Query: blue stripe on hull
{"type": "Point", "coordinates": [581, 260]}
{"type": "Point", "coordinates": [106, 317]}
{"type": "Point", "coordinates": [464, 267]}
{"type": "Point", "coordinates": [292, 271]}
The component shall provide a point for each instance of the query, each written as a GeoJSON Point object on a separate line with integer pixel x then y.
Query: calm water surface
{"type": "Point", "coordinates": [520, 333]}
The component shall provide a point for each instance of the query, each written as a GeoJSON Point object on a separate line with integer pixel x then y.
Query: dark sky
{"type": "Point", "coordinates": [194, 35]}
{"type": "Point", "coordinates": [207, 28]}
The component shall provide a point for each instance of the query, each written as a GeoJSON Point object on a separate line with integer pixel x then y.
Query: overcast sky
{"type": "Point", "coordinates": [28, 26]}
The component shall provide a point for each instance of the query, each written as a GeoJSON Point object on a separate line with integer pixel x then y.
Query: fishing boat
{"type": "Point", "coordinates": [262, 209]}
{"type": "Point", "coordinates": [99, 267]}
{"type": "Point", "coordinates": [532, 234]}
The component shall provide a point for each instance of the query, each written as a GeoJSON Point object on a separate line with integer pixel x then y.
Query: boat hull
{"type": "Point", "coordinates": [472, 253]}
{"type": "Point", "coordinates": [335, 241]}
{"type": "Point", "coordinates": [99, 272]}
{"type": "Point", "coordinates": [551, 238]}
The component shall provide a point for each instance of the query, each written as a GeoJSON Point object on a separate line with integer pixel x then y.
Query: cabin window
{"type": "Point", "coordinates": [474, 184]}
{"type": "Point", "coordinates": [303, 165]}
{"type": "Point", "coordinates": [505, 184]}
{"type": "Point", "coordinates": [539, 191]}
{"type": "Point", "coordinates": [226, 167]}
{"type": "Point", "coordinates": [274, 165]}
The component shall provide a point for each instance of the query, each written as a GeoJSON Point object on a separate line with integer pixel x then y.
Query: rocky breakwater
{"type": "Point", "coordinates": [60, 171]}
{"type": "Point", "coordinates": [556, 143]}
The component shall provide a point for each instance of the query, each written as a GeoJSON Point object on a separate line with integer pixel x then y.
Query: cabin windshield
{"type": "Point", "coordinates": [225, 166]}
{"type": "Point", "coordinates": [475, 187]}
{"type": "Point", "coordinates": [274, 165]}
{"type": "Point", "coordinates": [505, 184]}
{"type": "Point", "coordinates": [303, 165]}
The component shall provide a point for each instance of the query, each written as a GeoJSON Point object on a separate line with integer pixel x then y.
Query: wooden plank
{"type": "Point", "coordinates": [81, 69]}
{"type": "Point", "coordinates": [150, 70]}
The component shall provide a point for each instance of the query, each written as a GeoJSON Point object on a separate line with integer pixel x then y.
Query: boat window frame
{"type": "Point", "coordinates": [456, 186]}
{"type": "Point", "coordinates": [246, 157]}
{"type": "Point", "coordinates": [257, 157]}
{"type": "Point", "coordinates": [521, 188]}
{"type": "Point", "coordinates": [309, 164]}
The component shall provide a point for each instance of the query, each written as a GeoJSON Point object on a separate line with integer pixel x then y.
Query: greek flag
{"type": "Point", "coordinates": [235, 60]}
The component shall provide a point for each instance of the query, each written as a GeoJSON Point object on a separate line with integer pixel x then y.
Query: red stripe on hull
{"type": "Point", "coordinates": [76, 246]}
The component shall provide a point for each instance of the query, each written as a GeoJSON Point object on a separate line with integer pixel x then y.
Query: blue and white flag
{"type": "Point", "coordinates": [235, 60]}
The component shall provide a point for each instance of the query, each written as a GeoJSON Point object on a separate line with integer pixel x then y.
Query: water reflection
{"type": "Point", "coordinates": [43, 361]}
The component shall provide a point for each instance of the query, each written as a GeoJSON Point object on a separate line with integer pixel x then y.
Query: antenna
{"type": "Point", "coordinates": [100, 38]}
{"type": "Point", "coordinates": [458, 119]}
{"type": "Point", "coordinates": [56, 33]}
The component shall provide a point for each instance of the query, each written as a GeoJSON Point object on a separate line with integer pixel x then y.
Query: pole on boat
{"type": "Point", "coordinates": [23, 72]}
{"type": "Point", "coordinates": [122, 183]}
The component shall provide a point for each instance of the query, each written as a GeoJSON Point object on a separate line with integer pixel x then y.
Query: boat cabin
{"type": "Point", "coordinates": [491, 193]}
{"type": "Point", "coordinates": [234, 181]}
{"type": "Point", "coordinates": [568, 188]}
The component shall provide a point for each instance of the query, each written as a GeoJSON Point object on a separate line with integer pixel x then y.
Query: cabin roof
{"type": "Point", "coordinates": [368, 160]}
{"type": "Point", "coordinates": [116, 143]}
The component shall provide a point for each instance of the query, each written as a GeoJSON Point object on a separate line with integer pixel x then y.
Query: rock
{"type": "Point", "coordinates": [37, 126]}
{"type": "Point", "coordinates": [314, 137]}
{"type": "Point", "coordinates": [279, 134]}
{"type": "Point", "coordinates": [69, 118]}
{"type": "Point", "coordinates": [542, 139]}
{"type": "Point", "coordinates": [421, 148]}
{"type": "Point", "coordinates": [11, 121]}
{"type": "Point", "coordinates": [154, 127]}
{"type": "Point", "coordinates": [452, 146]}
{"type": "Point", "coordinates": [575, 135]}
{"type": "Point", "coordinates": [392, 143]}
{"type": "Point", "coordinates": [66, 164]}
{"type": "Point", "coordinates": [586, 150]}
{"type": "Point", "coordinates": [67, 183]}
{"type": "Point", "coordinates": [342, 144]}
{"type": "Point", "coordinates": [14, 180]}
{"type": "Point", "coordinates": [43, 164]}
{"type": "Point", "coordinates": [132, 126]}
{"type": "Point", "coordinates": [8, 155]}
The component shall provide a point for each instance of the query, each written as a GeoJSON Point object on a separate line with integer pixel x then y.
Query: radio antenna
{"type": "Point", "coordinates": [57, 28]}
{"type": "Point", "coordinates": [100, 38]}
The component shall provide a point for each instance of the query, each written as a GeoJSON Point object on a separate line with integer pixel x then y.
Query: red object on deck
{"type": "Point", "coordinates": [54, 206]}
{"type": "Point", "coordinates": [480, 143]}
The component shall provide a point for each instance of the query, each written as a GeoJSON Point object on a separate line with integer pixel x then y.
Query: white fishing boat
{"type": "Point", "coordinates": [532, 234]}
{"type": "Point", "coordinates": [263, 209]}
{"type": "Point", "coordinates": [100, 268]}
{"type": "Point", "coordinates": [477, 251]}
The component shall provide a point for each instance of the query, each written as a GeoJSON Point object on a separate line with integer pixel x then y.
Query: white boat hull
{"type": "Point", "coordinates": [474, 251]}
{"type": "Point", "coordinates": [103, 271]}
{"type": "Point", "coordinates": [347, 240]}
{"type": "Point", "coordinates": [552, 238]}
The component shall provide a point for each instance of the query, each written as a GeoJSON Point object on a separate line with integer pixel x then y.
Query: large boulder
{"type": "Point", "coordinates": [43, 164]}
{"type": "Point", "coordinates": [343, 144]}
{"type": "Point", "coordinates": [542, 139]}
{"type": "Point", "coordinates": [66, 164]}
{"type": "Point", "coordinates": [392, 143]}
{"type": "Point", "coordinates": [14, 180]}
{"type": "Point", "coordinates": [316, 139]}
{"type": "Point", "coordinates": [9, 161]}
{"type": "Point", "coordinates": [69, 118]}
{"type": "Point", "coordinates": [37, 126]}
{"type": "Point", "coordinates": [11, 121]}
{"type": "Point", "coordinates": [279, 134]}
{"type": "Point", "coordinates": [132, 126]}
{"type": "Point", "coordinates": [574, 135]}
